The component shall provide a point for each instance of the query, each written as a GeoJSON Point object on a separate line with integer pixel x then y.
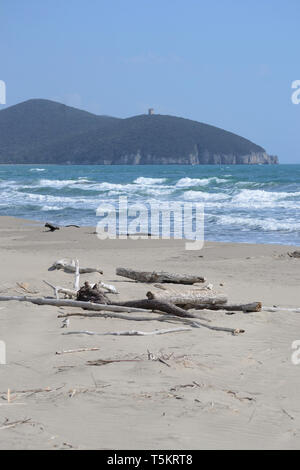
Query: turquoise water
{"type": "Point", "coordinates": [258, 204]}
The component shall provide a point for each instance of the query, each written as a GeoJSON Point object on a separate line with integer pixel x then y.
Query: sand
{"type": "Point", "coordinates": [220, 391]}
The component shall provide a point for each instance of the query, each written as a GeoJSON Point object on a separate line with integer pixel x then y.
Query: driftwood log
{"type": "Point", "coordinates": [111, 308]}
{"type": "Point", "coordinates": [190, 299]}
{"type": "Point", "coordinates": [294, 254]}
{"type": "Point", "coordinates": [95, 295]}
{"type": "Point", "coordinates": [157, 305]}
{"type": "Point", "coordinates": [252, 307]}
{"type": "Point", "coordinates": [69, 266]}
{"type": "Point", "coordinates": [69, 303]}
{"type": "Point", "coordinates": [143, 305]}
{"type": "Point", "coordinates": [51, 227]}
{"type": "Point", "coordinates": [161, 277]}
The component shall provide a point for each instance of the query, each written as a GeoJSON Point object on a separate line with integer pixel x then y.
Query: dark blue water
{"type": "Point", "coordinates": [259, 204]}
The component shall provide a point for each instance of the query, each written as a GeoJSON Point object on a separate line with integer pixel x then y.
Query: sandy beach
{"type": "Point", "coordinates": [217, 390]}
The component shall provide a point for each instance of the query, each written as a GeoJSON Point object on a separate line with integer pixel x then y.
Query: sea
{"type": "Point", "coordinates": [251, 204]}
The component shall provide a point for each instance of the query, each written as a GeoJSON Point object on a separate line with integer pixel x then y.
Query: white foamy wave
{"type": "Point", "coordinates": [202, 196]}
{"type": "Point", "coordinates": [83, 179]}
{"type": "Point", "coordinates": [267, 224]}
{"type": "Point", "coordinates": [110, 187]}
{"type": "Point", "coordinates": [149, 181]}
{"type": "Point", "coordinates": [187, 182]}
{"type": "Point", "coordinates": [50, 201]}
{"type": "Point", "coordinates": [55, 183]}
{"type": "Point", "coordinates": [260, 198]}
{"type": "Point", "coordinates": [158, 191]}
{"type": "Point", "coordinates": [37, 169]}
{"type": "Point", "coordinates": [51, 208]}
{"type": "Point", "coordinates": [61, 183]}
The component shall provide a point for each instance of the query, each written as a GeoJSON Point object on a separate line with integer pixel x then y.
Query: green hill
{"type": "Point", "coordinates": [42, 131]}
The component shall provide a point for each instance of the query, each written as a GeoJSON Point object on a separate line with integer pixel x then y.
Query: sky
{"type": "Point", "coordinates": [229, 63]}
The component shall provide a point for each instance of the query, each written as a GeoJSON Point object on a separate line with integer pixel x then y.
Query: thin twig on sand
{"type": "Point", "coordinates": [69, 351]}
{"type": "Point", "coordinates": [8, 425]}
{"type": "Point", "coordinates": [127, 333]}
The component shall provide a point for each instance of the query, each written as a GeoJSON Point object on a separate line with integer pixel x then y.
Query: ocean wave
{"type": "Point", "coordinates": [253, 184]}
{"type": "Point", "coordinates": [187, 182]}
{"type": "Point", "coordinates": [266, 224]}
{"type": "Point", "coordinates": [261, 198]}
{"type": "Point", "coordinates": [203, 196]}
{"type": "Point", "coordinates": [149, 181]}
{"type": "Point", "coordinates": [265, 208]}
{"type": "Point", "coordinates": [50, 208]}
{"type": "Point", "coordinates": [60, 183]}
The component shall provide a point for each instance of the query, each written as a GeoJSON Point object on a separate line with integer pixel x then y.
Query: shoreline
{"type": "Point", "coordinates": [220, 391]}
{"type": "Point", "coordinates": [184, 240]}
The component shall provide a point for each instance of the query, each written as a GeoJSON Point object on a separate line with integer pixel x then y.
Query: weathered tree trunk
{"type": "Point", "coordinates": [189, 299]}
{"type": "Point", "coordinates": [252, 307]}
{"type": "Point", "coordinates": [150, 277]}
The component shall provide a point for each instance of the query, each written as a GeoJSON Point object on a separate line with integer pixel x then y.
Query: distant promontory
{"type": "Point", "coordinates": [41, 131]}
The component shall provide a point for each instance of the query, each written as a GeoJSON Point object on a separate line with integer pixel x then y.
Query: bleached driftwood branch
{"type": "Point", "coordinates": [233, 331]}
{"type": "Point", "coordinates": [194, 322]}
{"type": "Point", "coordinates": [160, 277]}
{"type": "Point", "coordinates": [109, 287]}
{"type": "Point", "coordinates": [127, 333]}
{"type": "Point", "coordinates": [122, 316]}
{"type": "Point", "coordinates": [69, 267]}
{"type": "Point", "coordinates": [77, 276]}
{"type": "Point", "coordinates": [69, 351]}
{"type": "Point", "coordinates": [8, 425]}
{"type": "Point", "coordinates": [70, 303]}
{"type": "Point", "coordinates": [62, 290]}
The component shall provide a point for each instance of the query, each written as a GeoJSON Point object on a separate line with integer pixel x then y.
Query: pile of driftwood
{"type": "Point", "coordinates": [167, 302]}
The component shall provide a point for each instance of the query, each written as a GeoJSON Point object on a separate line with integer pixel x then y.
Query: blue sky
{"type": "Point", "coordinates": [229, 63]}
